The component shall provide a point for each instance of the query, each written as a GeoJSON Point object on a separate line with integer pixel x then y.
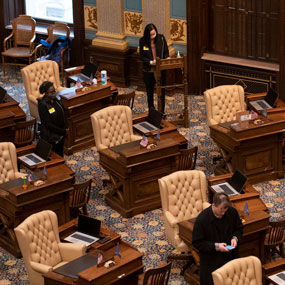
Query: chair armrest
{"type": "Point", "coordinates": [206, 205]}
{"type": "Point", "coordinates": [135, 137]}
{"type": "Point", "coordinates": [5, 41]}
{"type": "Point", "coordinates": [41, 268]}
{"type": "Point", "coordinates": [37, 49]}
{"type": "Point", "coordinates": [70, 251]}
{"type": "Point", "coordinates": [171, 219]}
{"type": "Point", "coordinates": [101, 146]}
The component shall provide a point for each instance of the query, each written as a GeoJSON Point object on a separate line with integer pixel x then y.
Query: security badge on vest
{"type": "Point", "coordinates": [51, 110]}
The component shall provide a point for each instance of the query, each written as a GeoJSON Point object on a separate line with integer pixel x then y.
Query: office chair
{"type": "Point", "coordinates": [24, 132]}
{"type": "Point", "coordinates": [157, 276]}
{"type": "Point", "coordinates": [187, 158]}
{"type": "Point", "coordinates": [126, 99]}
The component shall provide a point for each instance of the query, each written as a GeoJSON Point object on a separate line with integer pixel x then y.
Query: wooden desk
{"type": "Point", "coordinates": [10, 113]}
{"type": "Point", "coordinates": [17, 203]}
{"type": "Point", "coordinates": [125, 271]}
{"type": "Point", "coordinates": [272, 268]}
{"type": "Point", "coordinates": [256, 151]}
{"type": "Point", "coordinates": [250, 195]}
{"type": "Point", "coordinates": [135, 170]}
{"type": "Point", "coordinates": [78, 109]}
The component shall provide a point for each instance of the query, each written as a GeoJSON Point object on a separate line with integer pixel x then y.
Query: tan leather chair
{"type": "Point", "coordinates": [245, 271]}
{"type": "Point", "coordinates": [20, 43]}
{"type": "Point", "coordinates": [8, 162]}
{"type": "Point", "coordinates": [183, 196]}
{"type": "Point", "coordinates": [113, 126]}
{"type": "Point", "coordinates": [223, 102]}
{"type": "Point", "coordinates": [41, 248]}
{"type": "Point", "coordinates": [33, 76]}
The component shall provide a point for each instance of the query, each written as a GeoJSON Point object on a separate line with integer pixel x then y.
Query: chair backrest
{"type": "Point", "coordinates": [8, 161]}
{"type": "Point", "coordinates": [24, 30]}
{"type": "Point", "coordinates": [276, 235]}
{"type": "Point", "coordinates": [126, 99]}
{"type": "Point", "coordinates": [157, 276]}
{"type": "Point", "coordinates": [187, 158]}
{"type": "Point", "coordinates": [246, 271]}
{"type": "Point", "coordinates": [80, 194]}
{"type": "Point", "coordinates": [183, 193]}
{"type": "Point", "coordinates": [38, 240]}
{"type": "Point", "coordinates": [24, 132]}
{"type": "Point", "coordinates": [112, 126]}
{"type": "Point", "coordinates": [33, 76]}
{"type": "Point", "coordinates": [56, 30]}
{"type": "Point", "coordinates": [223, 102]}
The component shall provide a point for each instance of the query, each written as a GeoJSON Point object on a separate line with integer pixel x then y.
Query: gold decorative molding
{"type": "Point", "coordinates": [178, 30]}
{"type": "Point", "coordinates": [113, 41]}
{"type": "Point", "coordinates": [133, 23]}
{"type": "Point", "coordinates": [90, 18]}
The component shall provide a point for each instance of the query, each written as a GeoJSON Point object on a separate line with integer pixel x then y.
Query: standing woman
{"type": "Point", "coordinates": [152, 45]}
{"type": "Point", "coordinates": [53, 121]}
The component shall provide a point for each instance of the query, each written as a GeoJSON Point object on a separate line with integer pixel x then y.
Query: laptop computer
{"type": "Point", "coordinates": [88, 71]}
{"type": "Point", "coordinates": [88, 231]}
{"type": "Point", "coordinates": [152, 122]}
{"type": "Point", "coordinates": [77, 265]}
{"type": "Point", "coordinates": [268, 102]}
{"type": "Point", "coordinates": [40, 155]}
{"type": "Point", "coordinates": [2, 95]}
{"type": "Point", "coordinates": [234, 186]}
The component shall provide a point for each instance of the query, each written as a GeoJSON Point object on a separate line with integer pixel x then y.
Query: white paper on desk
{"type": "Point", "coordinates": [278, 278]}
{"type": "Point", "coordinates": [68, 92]}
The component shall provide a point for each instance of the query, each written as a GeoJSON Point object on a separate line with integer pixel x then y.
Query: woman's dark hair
{"type": "Point", "coordinates": [146, 33]}
{"type": "Point", "coordinates": [45, 86]}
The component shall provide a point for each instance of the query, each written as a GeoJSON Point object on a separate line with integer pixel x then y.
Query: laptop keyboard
{"type": "Point", "coordinates": [32, 158]}
{"type": "Point", "coordinates": [147, 126]}
{"type": "Point", "coordinates": [262, 104]}
{"type": "Point", "coordinates": [82, 238]}
{"type": "Point", "coordinates": [226, 189]}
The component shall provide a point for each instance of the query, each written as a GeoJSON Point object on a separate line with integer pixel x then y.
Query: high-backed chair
{"type": "Point", "coordinates": [275, 238]}
{"type": "Point", "coordinates": [126, 99]}
{"type": "Point", "coordinates": [223, 102]}
{"type": "Point", "coordinates": [113, 126]}
{"type": "Point", "coordinates": [157, 276]}
{"type": "Point", "coordinates": [245, 271]}
{"type": "Point", "coordinates": [183, 196]}
{"type": "Point", "coordinates": [20, 43]}
{"type": "Point", "coordinates": [54, 31]}
{"type": "Point", "coordinates": [40, 246]}
{"type": "Point", "coordinates": [33, 76]}
{"type": "Point", "coordinates": [24, 132]}
{"type": "Point", "coordinates": [187, 158]}
{"type": "Point", "coordinates": [79, 197]}
{"type": "Point", "coordinates": [8, 162]}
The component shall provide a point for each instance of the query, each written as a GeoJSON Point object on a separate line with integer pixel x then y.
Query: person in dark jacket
{"type": "Point", "coordinates": [52, 115]}
{"type": "Point", "coordinates": [152, 45]}
{"type": "Point", "coordinates": [216, 227]}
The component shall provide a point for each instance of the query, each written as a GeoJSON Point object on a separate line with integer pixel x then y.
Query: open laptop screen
{"type": "Point", "coordinates": [155, 117]}
{"type": "Point", "coordinates": [43, 149]}
{"type": "Point", "coordinates": [271, 97]}
{"type": "Point", "coordinates": [238, 181]}
{"type": "Point", "coordinates": [89, 226]}
{"type": "Point", "coordinates": [89, 69]}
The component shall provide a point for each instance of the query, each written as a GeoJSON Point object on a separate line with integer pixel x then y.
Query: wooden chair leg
{"type": "Point", "coordinates": [3, 65]}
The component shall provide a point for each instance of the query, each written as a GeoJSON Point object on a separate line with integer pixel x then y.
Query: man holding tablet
{"type": "Point", "coordinates": [216, 234]}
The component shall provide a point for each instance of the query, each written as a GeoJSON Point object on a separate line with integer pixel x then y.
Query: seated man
{"type": "Point", "coordinates": [216, 227]}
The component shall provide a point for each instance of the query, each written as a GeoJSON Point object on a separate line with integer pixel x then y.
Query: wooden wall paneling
{"type": "Point", "coordinates": [281, 75]}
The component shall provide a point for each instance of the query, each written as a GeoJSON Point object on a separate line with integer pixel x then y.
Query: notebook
{"type": "Point", "coordinates": [2, 95]}
{"type": "Point", "coordinates": [89, 71]}
{"type": "Point", "coordinates": [88, 231]}
{"type": "Point", "coordinates": [40, 155]}
{"type": "Point", "coordinates": [234, 186]}
{"type": "Point", "coordinates": [152, 122]}
{"type": "Point", "coordinates": [268, 102]}
{"type": "Point", "coordinates": [77, 265]}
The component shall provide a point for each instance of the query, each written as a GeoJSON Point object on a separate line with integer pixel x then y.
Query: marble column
{"type": "Point", "coordinates": [158, 13]}
{"type": "Point", "coordinates": [110, 19]}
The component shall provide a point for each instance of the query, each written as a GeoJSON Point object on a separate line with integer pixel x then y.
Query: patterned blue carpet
{"type": "Point", "coordinates": [144, 231]}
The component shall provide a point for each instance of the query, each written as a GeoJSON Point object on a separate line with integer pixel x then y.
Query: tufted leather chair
{"type": "Point", "coordinates": [223, 102]}
{"type": "Point", "coordinates": [183, 196]}
{"type": "Point", "coordinates": [113, 126]}
{"type": "Point", "coordinates": [41, 248]}
{"type": "Point", "coordinates": [245, 271]}
{"type": "Point", "coordinates": [34, 75]}
{"type": "Point", "coordinates": [8, 162]}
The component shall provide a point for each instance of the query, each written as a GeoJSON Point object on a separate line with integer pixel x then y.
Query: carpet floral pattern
{"type": "Point", "coordinates": [146, 231]}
